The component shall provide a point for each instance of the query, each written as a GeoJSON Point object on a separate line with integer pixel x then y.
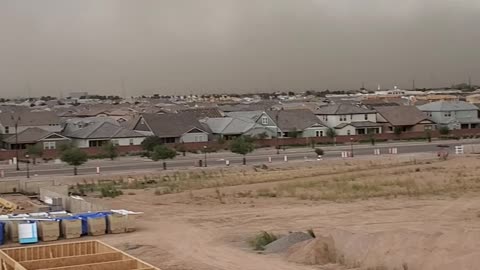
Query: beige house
{"type": "Point", "coordinates": [403, 119]}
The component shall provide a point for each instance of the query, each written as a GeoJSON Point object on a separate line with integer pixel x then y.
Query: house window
{"type": "Point", "coordinates": [199, 138]}
{"type": "Point", "coordinates": [428, 127]}
{"type": "Point", "coordinates": [448, 114]}
{"type": "Point", "coordinates": [343, 118]}
{"type": "Point", "coordinates": [49, 145]}
{"type": "Point", "coordinates": [319, 133]}
{"type": "Point", "coordinates": [366, 117]}
{"type": "Point", "coordinates": [348, 132]}
{"type": "Point", "coordinates": [429, 114]}
{"type": "Point", "coordinates": [7, 130]}
{"type": "Point", "coordinates": [390, 128]}
{"type": "Point", "coordinates": [170, 140]}
{"type": "Point", "coordinates": [96, 143]}
{"type": "Point", "coordinates": [115, 142]}
{"type": "Point", "coordinates": [130, 142]}
{"type": "Point", "coordinates": [264, 120]}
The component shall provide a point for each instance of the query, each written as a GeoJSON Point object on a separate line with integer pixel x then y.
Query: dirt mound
{"type": "Point", "coordinates": [285, 242]}
{"type": "Point", "coordinates": [318, 251]}
{"type": "Point", "coordinates": [392, 249]}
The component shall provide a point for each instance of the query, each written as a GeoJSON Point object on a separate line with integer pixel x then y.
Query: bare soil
{"type": "Point", "coordinates": [388, 214]}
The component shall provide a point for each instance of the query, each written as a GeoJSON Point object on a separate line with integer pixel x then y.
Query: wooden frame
{"type": "Point", "coordinates": [84, 255]}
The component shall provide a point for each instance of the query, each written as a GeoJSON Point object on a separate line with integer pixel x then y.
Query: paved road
{"type": "Point", "coordinates": [132, 164]}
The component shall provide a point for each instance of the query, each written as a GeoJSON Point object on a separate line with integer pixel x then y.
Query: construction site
{"type": "Point", "coordinates": [404, 212]}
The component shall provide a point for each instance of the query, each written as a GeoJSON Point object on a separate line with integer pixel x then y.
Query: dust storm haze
{"type": "Point", "coordinates": [188, 46]}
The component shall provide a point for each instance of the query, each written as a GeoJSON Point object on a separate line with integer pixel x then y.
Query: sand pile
{"type": "Point", "coordinates": [391, 250]}
{"type": "Point", "coordinates": [285, 242]}
{"type": "Point", "coordinates": [318, 251]}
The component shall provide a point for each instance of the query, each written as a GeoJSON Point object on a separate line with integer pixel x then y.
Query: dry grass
{"type": "Point", "coordinates": [387, 183]}
{"type": "Point", "coordinates": [185, 181]}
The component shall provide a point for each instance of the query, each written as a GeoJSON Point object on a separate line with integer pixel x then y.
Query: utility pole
{"type": "Point", "coordinates": [16, 139]}
{"type": "Point", "coordinates": [413, 85]}
{"type": "Point", "coordinates": [469, 82]}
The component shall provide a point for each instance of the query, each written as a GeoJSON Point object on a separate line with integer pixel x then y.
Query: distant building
{"type": "Point", "coordinates": [78, 95]}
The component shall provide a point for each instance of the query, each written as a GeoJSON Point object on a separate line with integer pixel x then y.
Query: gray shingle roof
{"type": "Point", "coordinates": [103, 130]}
{"type": "Point", "coordinates": [27, 118]}
{"type": "Point", "coordinates": [252, 115]}
{"type": "Point", "coordinates": [362, 124]}
{"type": "Point", "coordinates": [29, 135]}
{"type": "Point", "coordinates": [441, 106]}
{"type": "Point", "coordinates": [171, 124]}
{"type": "Point", "coordinates": [294, 120]}
{"type": "Point", "coordinates": [402, 115]}
{"type": "Point", "coordinates": [342, 109]}
{"type": "Point", "coordinates": [229, 125]}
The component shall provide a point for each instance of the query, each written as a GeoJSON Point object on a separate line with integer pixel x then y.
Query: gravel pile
{"type": "Point", "coordinates": [285, 242]}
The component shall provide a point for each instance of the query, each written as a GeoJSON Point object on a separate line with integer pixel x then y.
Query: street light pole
{"type": "Point", "coordinates": [28, 165]}
{"type": "Point", "coordinates": [351, 146]}
{"type": "Point", "coordinates": [205, 152]}
{"type": "Point", "coordinates": [276, 125]}
{"type": "Point", "coordinates": [16, 141]}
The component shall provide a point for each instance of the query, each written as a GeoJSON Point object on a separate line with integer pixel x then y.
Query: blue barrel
{"type": "Point", "coordinates": [2, 233]}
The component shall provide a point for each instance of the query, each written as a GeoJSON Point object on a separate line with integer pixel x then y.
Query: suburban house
{"type": "Point", "coordinates": [452, 114]}
{"type": "Point", "coordinates": [100, 133]}
{"type": "Point", "coordinates": [403, 119]}
{"type": "Point", "coordinates": [264, 123]}
{"type": "Point", "coordinates": [229, 128]}
{"type": "Point", "coordinates": [171, 127]}
{"type": "Point", "coordinates": [35, 136]}
{"type": "Point", "coordinates": [45, 120]}
{"type": "Point", "coordinates": [349, 119]}
{"type": "Point", "coordinates": [298, 123]}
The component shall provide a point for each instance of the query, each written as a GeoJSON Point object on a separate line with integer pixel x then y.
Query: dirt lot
{"type": "Point", "coordinates": [382, 214]}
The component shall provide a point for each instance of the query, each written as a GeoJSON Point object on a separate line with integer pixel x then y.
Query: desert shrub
{"type": "Point", "coordinates": [110, 191]}
{"type": "Point", "coordinates": [262, 239]}
{"type": "Point", "coordinates": [319, 151]}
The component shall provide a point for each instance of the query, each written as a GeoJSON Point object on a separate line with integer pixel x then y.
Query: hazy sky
{"type": "Point", "coordinates": [193, 46]}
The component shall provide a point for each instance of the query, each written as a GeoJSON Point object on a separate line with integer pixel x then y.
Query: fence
{"type": "Point", "coordinates": [71, 204]}
{"type": "Point", "coordinates": [276, 142]}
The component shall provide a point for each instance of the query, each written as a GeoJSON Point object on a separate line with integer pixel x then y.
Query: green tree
{"type": "Point", "coordinates": [110, 150]}
{"type": "Point", "coordinates": [242, 146]}
{"type": "Point", "coordinates": [444, 130]}
{"type": "Point", "coordinates": [74, 157]}
{"type": "Point", "coordinates": [428, 135]}
{"type": "Point", "coordinates": [332, 134]}
{"type": "Point", "coordinates": [161, 152]}
{"type": "Point", "coordinates": [151, 142]}
{"type": "Point", "coordinates": [397, 131]}
{"type": "Point", "coordinates": [35, 151]}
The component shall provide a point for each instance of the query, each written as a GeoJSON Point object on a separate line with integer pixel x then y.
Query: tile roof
{"type": "Point", "coordinates": [28, 118]}
{"type": "Point", "coordinates": [342, 109]}
{"type": "Point", "coordinates": [29, 135]}
{"type": "Point", "coordinates": [402, 115]}
{"type": "Point", "coordinates": [441, 106]}
{"type": "Point", "coordinates": [361, 124]}
{"type": "Point", "coordinates": [294, 120]}
{"type": "Point", "coordinates": [201, 113]}
{"type": "Point", "coordinates": [103, 130]}
{"type": "Point", "coordinates": [230, 125]}
{"type": "Point", "coordinates": [171, 124]}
